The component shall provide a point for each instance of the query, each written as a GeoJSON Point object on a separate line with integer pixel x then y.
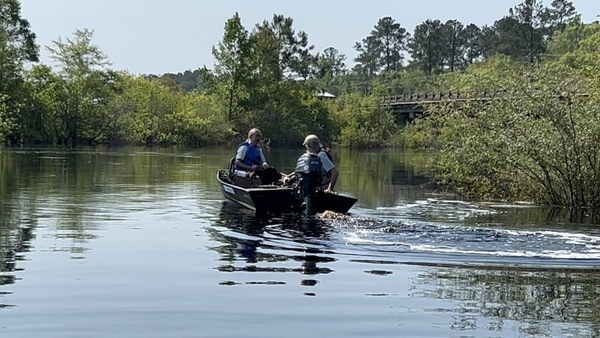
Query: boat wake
{"type": "Point", "coordinates": [454, 229]}
{"type": "Point", "coordinates": [429, 232]}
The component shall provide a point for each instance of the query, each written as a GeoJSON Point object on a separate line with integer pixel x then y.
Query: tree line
{"type": "Point", "coordinates": [537, 142]}
{"type": "Point", "coordinates": [266, 76]}
{"type": "Point", "coordinates": [434, 47]}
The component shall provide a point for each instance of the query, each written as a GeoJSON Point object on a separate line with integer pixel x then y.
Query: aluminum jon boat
{"type": "Point", "coordinates": [277, 198]}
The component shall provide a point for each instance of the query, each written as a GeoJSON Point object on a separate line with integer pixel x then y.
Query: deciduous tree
{"type": "Point", "coordinates": [17, 46]}
{"type": "Point", "coordinates": [88, 81]}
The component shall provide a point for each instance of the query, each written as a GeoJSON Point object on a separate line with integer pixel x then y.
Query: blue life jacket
{"type": "Point", "coordinates": [309, 164]}
{"type": "Point", "coordinates": [252, 155]}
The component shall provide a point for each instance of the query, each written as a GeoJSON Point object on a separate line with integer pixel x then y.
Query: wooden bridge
{"type": "Point", "coordinates": [406, 107]}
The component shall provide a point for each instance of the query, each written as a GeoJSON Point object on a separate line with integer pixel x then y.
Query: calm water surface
{"type": "Point", "coordinates": [139, 243]}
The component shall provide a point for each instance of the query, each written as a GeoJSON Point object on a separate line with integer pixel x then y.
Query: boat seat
{"type": "Point", "coordinates": [231, 171]}
{"type": "Point", "coordinates": [246, 182]}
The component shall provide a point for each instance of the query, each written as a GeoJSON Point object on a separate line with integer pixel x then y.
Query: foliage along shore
{"type": "Point", "coordinates": [535, 142]}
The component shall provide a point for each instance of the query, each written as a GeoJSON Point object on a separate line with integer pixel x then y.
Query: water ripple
{"type": "Point", "coordinates": [451, 228]}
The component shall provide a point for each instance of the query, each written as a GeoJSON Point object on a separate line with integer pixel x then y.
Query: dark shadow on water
{"type": "Point", "coordinates": [591, 216]}
{"type": "Point", "coordinates": [249, 243]}
{"type": "Point", "coordinates": [303, 228]}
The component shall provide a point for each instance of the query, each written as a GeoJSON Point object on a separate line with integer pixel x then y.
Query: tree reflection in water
{"type": "Point", "coordinates": [535, 296]}
{"type": "Point", "coordinates": [15, 241]}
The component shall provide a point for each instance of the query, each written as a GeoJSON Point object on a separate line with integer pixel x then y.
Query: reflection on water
{"type": "Point", "coordinates": [530, 294]}
{"type": "Point", "coordinates": [251, 244]}
{"type": "Point", "coordinates": [537, 297]}
{"type": "Point", "coordinates": [132, 236]}
{"type": "Point", "coordinates": [14, 243]}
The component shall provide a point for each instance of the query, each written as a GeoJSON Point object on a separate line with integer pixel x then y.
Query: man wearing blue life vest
{"type": "Point", "coordinates": [250, 156]}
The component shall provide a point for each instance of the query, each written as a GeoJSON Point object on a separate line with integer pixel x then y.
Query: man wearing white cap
{"type": "Point", "coordinates": [330, 173]}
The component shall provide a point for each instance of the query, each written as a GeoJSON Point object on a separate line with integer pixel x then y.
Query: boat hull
{"type": "Point", "coordinates": [278, 199]}
{"type": "Point", "coordinates": [333, 202]}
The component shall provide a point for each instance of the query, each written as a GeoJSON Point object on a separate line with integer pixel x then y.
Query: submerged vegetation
{"type": "Point", "coordinates": [535, 139]}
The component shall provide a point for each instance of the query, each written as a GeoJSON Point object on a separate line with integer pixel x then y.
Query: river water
{"type": "Point", "coordinates": [138, 242]}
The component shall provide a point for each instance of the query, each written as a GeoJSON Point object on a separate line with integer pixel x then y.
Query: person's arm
{"type": "Point", "coordinates": [241, 164]}
{"type": "Point", "coordinates": [263, 159]}
{"type": "Point", "coordinates": [334, 176]}
{"type": "Point", "coordinates": [289, 178]}
{"type": "Point", "coordinates": [329, 167]}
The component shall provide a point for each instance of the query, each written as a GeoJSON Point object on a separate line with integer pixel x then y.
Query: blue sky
{"type": "Point", "coordinates": [151, 36]}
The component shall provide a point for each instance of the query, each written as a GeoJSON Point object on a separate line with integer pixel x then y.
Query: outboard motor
{"type": "Point", "coordinates": [308, 170]}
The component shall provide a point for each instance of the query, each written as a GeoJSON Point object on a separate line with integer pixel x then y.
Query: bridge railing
{"type": "Point", "coordinates": [407, 98]}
